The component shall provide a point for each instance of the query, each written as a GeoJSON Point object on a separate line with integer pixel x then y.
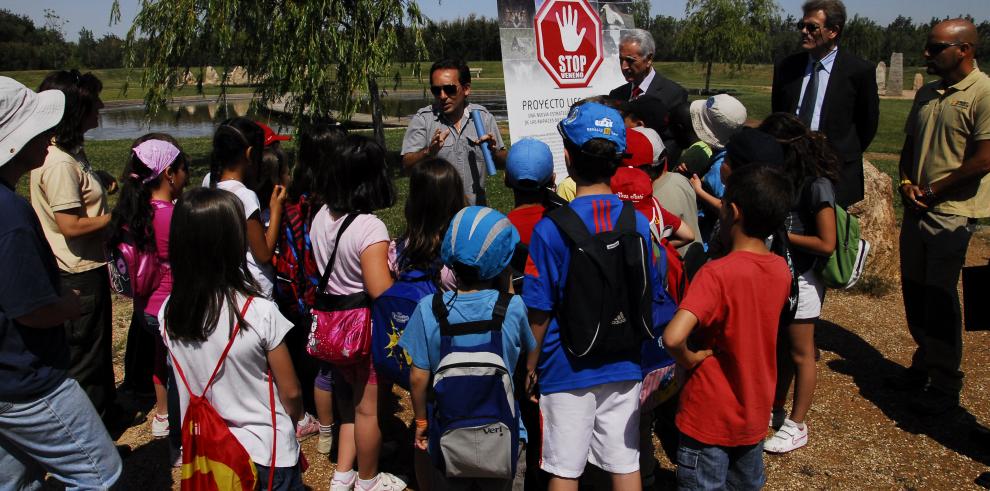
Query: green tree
{"type": "Point", "coordinates": [728, 31]}
{"type": "Point", "coordinates": [865, 38]}
{"type": "Point", "coordinates": [314, 56]}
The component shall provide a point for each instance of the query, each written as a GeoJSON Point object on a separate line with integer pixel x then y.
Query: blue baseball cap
{"type": "Point", "coordinates": [529, 165]}
{"type": "Point", "coordinates": [593, 120]}
{"type": "Point", "coordinates": [482, 238]}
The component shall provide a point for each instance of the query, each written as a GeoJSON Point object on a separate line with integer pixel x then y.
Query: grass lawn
{"type": "Point", "coordinates": [751, 84]}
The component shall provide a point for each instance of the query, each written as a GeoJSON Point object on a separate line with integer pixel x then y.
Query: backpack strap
{"type": "Point", "coordinates": [223, 356]}
{"type": "Point", "coordinates": [493, 325]}
{"type": "Point", "coordinates": [333, 255]}
{"type": "Point", "coordinates": [627, 218]}
{"type": "Point", "coordinates": [568, 221]}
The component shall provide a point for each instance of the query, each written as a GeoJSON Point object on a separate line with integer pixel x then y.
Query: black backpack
{"type": "Point", "coordinates": [606, 306]}
{"type": "Point", "coordinates": [780, 246]}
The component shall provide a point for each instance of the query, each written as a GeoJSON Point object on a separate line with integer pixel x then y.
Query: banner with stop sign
{"type": "Point", "coordinates": [554, 53]}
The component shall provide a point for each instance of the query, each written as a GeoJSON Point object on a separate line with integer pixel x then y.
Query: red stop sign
{"type": "Point", "coordinates": [569, 41]}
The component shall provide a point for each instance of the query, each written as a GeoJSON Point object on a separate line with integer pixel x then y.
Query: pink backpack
{"type": "Point", "coordinates": [133, 272]}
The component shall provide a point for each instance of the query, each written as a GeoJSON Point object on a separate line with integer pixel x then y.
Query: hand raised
{"type": "Point", "coordinates": [570, 38]}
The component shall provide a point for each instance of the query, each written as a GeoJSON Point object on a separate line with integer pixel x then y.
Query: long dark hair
{"type": "Point", "coordinates": [318, 146]}
{"type": "Point", "coordinates": [133, 213]}
{"type": "Point", "coordinates": [357, 181]}
{"type": "Point", "coordinates": [206, 249]}
{"type": "Point", "coordinates": [232, 138]}
{"type": "Point", "coordinates": [807, 154]}
{"type": "Point", "coordinates": [436, 194]}
{"type": "Point", "coordinates": [81, 93]}
{"type": "Point", "coordinates": [273, 164]}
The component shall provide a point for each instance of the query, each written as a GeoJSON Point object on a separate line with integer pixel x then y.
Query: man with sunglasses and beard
{"type": "Point", "coordinates": [446, 129]}
{"type": "Point", "coordinates": [832, 90]}
{"type": "Point", "coordinates": [945, 189]}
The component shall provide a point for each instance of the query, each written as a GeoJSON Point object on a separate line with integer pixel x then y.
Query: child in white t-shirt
{"type": "Point", "coordinates": [234, 164]}
{"type": "Point", "coordinates": [212, 299]}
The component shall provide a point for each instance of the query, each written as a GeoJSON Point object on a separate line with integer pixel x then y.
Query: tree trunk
{"type": "Point", "coordinates": [376, 111]}
{"type": "Point", "coordinates": [708, 77]}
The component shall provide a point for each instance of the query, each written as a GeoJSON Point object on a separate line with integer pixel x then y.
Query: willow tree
{"type": "Point", "coordinates": [313, 56]}
{"type": "Point", "coordinates": [729, 31]}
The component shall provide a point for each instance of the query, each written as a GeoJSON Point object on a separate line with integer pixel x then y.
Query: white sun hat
{"type": "Point", "coordinates": [716, 119]}
{"type": "Point", "coordinates": [24, 114]}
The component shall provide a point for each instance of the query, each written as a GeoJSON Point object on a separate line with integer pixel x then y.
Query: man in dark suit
{"type": "Point", "coordinates": [832, 90]}
{"type": "Point", "coordinates": [636, 49]}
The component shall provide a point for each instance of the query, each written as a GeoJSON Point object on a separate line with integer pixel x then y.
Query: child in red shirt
{"type": "Point", "coordinates": [731, 313]}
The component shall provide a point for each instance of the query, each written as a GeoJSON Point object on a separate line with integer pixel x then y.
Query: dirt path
{"type": "Point", "coordinates": [862, 436]}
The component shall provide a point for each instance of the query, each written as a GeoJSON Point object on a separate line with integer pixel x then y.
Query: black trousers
{"type": "Point", "coordinates": [90, 337]}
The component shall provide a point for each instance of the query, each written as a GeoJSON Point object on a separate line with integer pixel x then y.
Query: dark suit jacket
{"type": "Point", "coordinates": [849, 113]}
{"type": "Point", "coordinates": [668, 91]}
{"type": "Point", "coordinates": [663, 88]}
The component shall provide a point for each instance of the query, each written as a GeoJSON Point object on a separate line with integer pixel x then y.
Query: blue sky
{"type": "Point", "coordinates": [95, 14]}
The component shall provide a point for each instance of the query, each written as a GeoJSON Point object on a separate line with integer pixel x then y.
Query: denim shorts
{"type": "Point", "coordinates": [701, 466]}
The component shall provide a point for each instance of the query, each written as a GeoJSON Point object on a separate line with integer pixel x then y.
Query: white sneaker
{"type": "Point", "coordinates": [777, 417]}
{"type": "Point", "coordinates": [336, 485]}
{"type": "Point", "coordinates": [789, 437]}
{"type": "Point", "coordinates": [385, 482]}
{"type": "Point", "coordinates": [159, 425]}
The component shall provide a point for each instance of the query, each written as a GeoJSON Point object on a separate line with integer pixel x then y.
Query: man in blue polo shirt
{"type": "Point", "coordinates": [589, 405]}
{"type": "Point", "coordinates": [47, 424]}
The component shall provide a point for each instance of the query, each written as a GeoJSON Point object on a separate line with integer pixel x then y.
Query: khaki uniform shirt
{"type": "Point", "coordinates": [457, 149]}
{"type": "Point", "coordinates": [946, 123]}
{"type": "Point", "coordinates": [63, 183]}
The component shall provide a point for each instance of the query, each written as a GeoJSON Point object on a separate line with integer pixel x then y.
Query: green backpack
{"type": "Point", "coordinates": [847, 262]}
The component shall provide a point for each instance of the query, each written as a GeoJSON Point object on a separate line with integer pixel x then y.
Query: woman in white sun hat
{"type": "Point", "coordinates": [47, 425]}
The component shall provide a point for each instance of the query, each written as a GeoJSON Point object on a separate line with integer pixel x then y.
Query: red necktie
{"type": "Point", "coordinates": [636, 92]}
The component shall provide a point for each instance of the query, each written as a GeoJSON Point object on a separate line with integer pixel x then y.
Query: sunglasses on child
{"type": "Point", "coordinates": [449, 89]}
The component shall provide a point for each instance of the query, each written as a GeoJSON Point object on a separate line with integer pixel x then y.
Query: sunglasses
{"type": "Point", "coordinates": [935, 48]}
{"type": "Point", "coordinates": [812, 28]}
{"type": "Point", "coordinates": [450, 90]}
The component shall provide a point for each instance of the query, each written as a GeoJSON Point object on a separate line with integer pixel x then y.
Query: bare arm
{"type": "Point", "coordinates": [538, 322]}
{"type": "Point", "coordinates": [682, 236]}
{"type": "Point", "coordinates": [418, 380]}
{"type": "Point", "coordinates": [258, 240]}
{"type": "Point", "coordinates": [284, 373]}
{"type": "Point", "coordinates": [823, 243]}
{"type": "Point", "coordinates": [910, 192]}
{"type": "Point", "coordinates": [275, 219]}
{"type": "Point", "coordinates": [705, 197]}
{"type": "Point", "coordinates": [374, 269]}
{"type": "Point", "coordinates": [675, 340]}
{"type": "Point", "coordinates": [71, 223]}
{"type": "Point", "coordinates": [64, 309]}
{"type": "Point", "coordinates": [436, 143]}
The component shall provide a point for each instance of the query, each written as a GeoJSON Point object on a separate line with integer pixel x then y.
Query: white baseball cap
{"type": "Point", "coordinates": [716, 119]}
{"type": "Point", "coordinates": [25, 114]}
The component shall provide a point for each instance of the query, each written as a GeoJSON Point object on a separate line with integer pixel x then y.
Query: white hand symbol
{"type": "Point", "coordinates": [569, 37]}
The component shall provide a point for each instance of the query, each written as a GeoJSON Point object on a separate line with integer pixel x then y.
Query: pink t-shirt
{"type": "Point", "coordinates": [161, 223]}
{"type": "Point", "coordinates": [365, 231]}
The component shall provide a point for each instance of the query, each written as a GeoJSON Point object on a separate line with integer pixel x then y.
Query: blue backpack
{"type": "Point", "coordinates": [474, 427]}
{"type": "Point", "coordinates": [389, 314]}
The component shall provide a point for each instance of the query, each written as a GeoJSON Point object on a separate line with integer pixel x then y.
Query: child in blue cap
{"type": "Point", "coordinates": [589, 403]}
{"type": "Point", "coordinates": [478, 246]}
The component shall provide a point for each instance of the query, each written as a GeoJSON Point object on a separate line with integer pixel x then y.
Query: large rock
{"type": "Point", "coordinates": [877, 221]}
{"type": "Point", "coordinates": [210, 76]}
{"type": "Point", "coordinates": [881, 76]}
{"type": "Point", "coordinates": [895, 74]}
{"type": "Point", "coordinates": [237, 76]}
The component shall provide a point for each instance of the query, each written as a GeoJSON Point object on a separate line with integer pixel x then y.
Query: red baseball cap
{"type": "Point", "coordinates": [639, 150]}
{"type": "Point", "coordinates": [271, 136]}
{"type": "Point", "coordinates": [634, 185]}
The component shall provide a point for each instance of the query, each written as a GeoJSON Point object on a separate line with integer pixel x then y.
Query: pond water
{"type": "Point", "coordinates": [200, 118]}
